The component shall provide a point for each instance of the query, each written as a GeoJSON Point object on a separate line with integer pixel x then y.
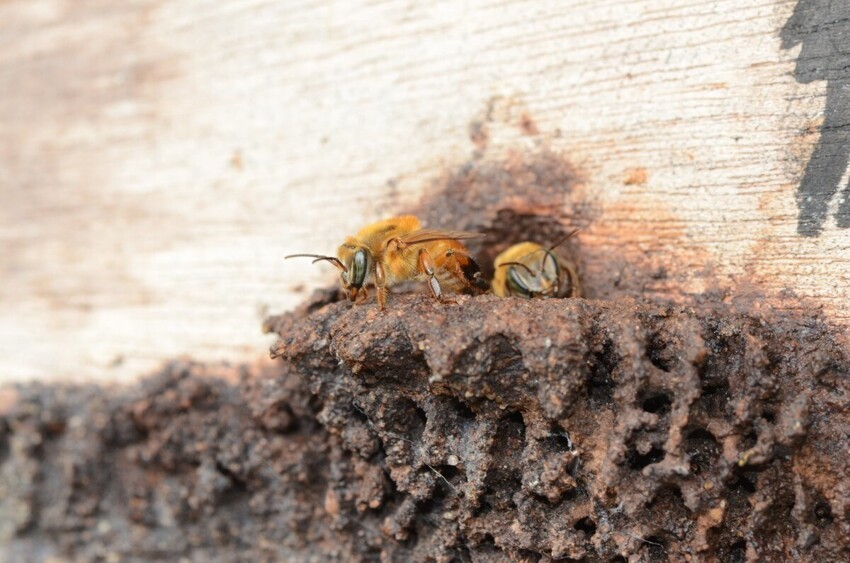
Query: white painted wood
{"type": "Point", "coordinates": [158, 159]}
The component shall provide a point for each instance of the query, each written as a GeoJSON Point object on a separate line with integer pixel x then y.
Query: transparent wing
{"type": "Point", "coordinates": [429, 235]}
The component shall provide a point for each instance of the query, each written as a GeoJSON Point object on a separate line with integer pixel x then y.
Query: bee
{"type": "Point", "coordinates": [398, 249]}
{"type": "Point", "coordinates": [531, 270]}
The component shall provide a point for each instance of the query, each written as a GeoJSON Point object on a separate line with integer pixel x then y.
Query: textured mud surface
{"type": "Point", "coordinates": [585, 430]}
{"type": "Point", "coordinates": [486, 430]}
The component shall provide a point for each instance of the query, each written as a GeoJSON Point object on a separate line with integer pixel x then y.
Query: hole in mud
{"type": "Point", "coordinates": [483, 508]}
{"type": "Point", "coordinates": [737, 552]}
{"type": "Point", "coordinates": [769, 416]}
{"type": "Point", "coordinates": [638, 461]}
{"type": "Point", "coordinates": [783, 451]}
{"type": "Point", "coordinates": [656, 548]}
{"type": "Point", "coordinates": [359, 414]}
{"type": "Point", "coordinates": [462, 410]}
{"type": "Point", "coordinates": [430, 507]}
{"type": "Point", "coordinates": [488, 541]}
{"type": "Point", "coordinates": [463, 555]}
{"type": "Point", "coordinates": [500, 488]}
{"type": "Point", "coordinates": [599, 384]}
{"type": "Point", "coordinates": [411, 538]}
{"type": "Point", "coordinates": [659, 353]}
{"type": "Point", "coordinates": [744, 485]}
{"type": "Point", "coordinates": [586, 525]}
{"type": "Point", "coordinates": [515, 425]}
{"type": "Point", "coordinates": [510, 227]}
{"type": "Point", "coordinates": [54, 429]}
{"type": "Point", "coordinates": [702, 449]}
{"type": "Point", "coordinates": [405, 420]}
{"type": "Point", "coordinates": [714, 398]}
{"type": "Point", "coordinates": [446, 480]}
{"type": "Point", "coordinates": [600, 390]}
{"type": "Point", "coordinates": [447, 471]}
{"type": "Point", "coordinates": [499, 356]}
{"type": "Point", "coordinates": [279, 417]}
{"type": "Point", "coordinates": [558, 442]}
{"type": "Point", "coordinates": [668, 503]}
{"type": "Point", "coordinates": [237, 491]}
{"type": "Point", "coordinates": [726, 349]}
{"type": "Point", "coordinates": [618, 559]}
{"type": "Point", "coordinates": [822, 513]}
{"type": "Point", "coordinates": [506, 359]}
{"type": "Point", "coordinates": [420, 421]}
{"type": "Point", "coordinates": [314, 404]}
{"type": "Point", "coordinates": [656, 403]}
{"type": "Point", "coordinates": [504, 477]}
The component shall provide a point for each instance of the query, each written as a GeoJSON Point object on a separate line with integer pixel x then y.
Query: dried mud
{"type": "Point", "coordinates": [486, 430]}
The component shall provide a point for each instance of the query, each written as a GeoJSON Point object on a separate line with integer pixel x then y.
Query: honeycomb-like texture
{"type": "Point", "coordinates": [584, 430]}
{"type": "Point", "coordinates": [575, 429]}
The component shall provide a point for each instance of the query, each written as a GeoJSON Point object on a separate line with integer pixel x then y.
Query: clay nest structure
{"type": "Point", "coordinates": [602, 429]}
{"type": "Point", "coordinates": [486, 430]}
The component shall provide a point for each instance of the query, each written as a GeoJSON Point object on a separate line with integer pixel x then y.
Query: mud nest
{"type": "Point", "coordinates": [482, 431]}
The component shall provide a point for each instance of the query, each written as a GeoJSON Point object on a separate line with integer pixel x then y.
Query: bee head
{"type": "Point", "coordinates": [538, 275]}
{"type": "Point", "coordinates": [356, 266]}
{"type": "Point", "coordinates": [353, 264]}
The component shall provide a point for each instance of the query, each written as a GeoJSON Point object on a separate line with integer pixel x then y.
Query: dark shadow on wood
{"type": "Point", "coordinates": [823, 29]}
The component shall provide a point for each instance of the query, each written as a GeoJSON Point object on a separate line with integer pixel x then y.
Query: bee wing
{"type": "Point", "coordinates": [429, 235]}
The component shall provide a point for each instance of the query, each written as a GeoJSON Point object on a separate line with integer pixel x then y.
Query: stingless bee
{"type": "Point", "coordinates": [398, 249]}
{"type": "Point", "coordinates": [530, 270]}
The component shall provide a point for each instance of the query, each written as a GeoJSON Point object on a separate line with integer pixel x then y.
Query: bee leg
{"type": "Point", "coordinates": [426, 266]}
{"type": "Point", "coordinates": [466, 271]}
{"type": "Point", "coordinates": [381, 285]}
{"type": "Point", "coordinates": [362, 295]}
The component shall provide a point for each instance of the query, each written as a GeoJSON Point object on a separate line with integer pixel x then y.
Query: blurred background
{"type": "Point", "coordinates": [158, 159]}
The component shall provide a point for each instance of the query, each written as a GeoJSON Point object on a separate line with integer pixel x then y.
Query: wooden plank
{"type": "Point", "coordinates": [158, 159]}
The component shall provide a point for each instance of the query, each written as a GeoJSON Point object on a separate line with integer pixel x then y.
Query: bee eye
{"type": "Point", "coordinates": [358, 269]}
{"type": "Point", "coordinates": [516, 283]}
{"type": "Point", "coordinates": [551, 271]}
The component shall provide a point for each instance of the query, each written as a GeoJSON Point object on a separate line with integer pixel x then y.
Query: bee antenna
{"type": "Point", "coordinates": [564, 239]}
{"type": "Point", "coordinates": [318, 258]}
{"type": "Point", "coordinates": [520, 264]}
{"type": "Point", "coordinates": [554, 246]}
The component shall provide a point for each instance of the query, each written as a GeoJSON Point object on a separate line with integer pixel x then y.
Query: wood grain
{"type": "Point", "coordinates": [158, 159]}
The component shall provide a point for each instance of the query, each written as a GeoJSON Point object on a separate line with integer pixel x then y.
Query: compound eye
{"type": "Point", "coordinates": [516, 284]}
{"type": "Point", "coordinates": [358, 269]}
{"type": "Point", "coordinates": [551, 274]}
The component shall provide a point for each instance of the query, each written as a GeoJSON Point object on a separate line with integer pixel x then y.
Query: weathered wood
{"type": "Point", "coordinates": [159, 158]}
